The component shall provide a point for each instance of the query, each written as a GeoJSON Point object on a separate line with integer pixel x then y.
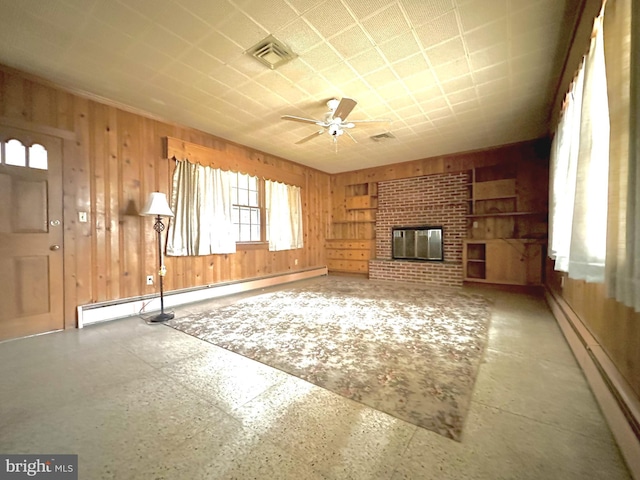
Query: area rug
{"type": "Point", "coordinates": [412, 351]}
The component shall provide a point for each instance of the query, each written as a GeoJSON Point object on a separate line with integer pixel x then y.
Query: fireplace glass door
{"type": "Point", "coordinates": [418, 243]}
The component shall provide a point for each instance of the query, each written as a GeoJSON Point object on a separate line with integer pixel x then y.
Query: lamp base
{"type": "Point", "coordinates": [162, 317]}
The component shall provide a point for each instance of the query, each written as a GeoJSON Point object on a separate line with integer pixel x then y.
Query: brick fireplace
{"type": "Point", "coordinates": [434, 200]}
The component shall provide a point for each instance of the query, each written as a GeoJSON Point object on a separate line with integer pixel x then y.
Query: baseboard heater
{"type": "Point", "coordinates": [615, 396]}
{"type": "Point", "coordinates": [128, 307]}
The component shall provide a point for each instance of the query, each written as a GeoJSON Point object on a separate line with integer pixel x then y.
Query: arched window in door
{"type": "Point", "coordinates": [14, 153]}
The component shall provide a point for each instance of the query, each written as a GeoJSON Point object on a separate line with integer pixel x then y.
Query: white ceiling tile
{"type": "Point", "coordinates": [200, 60]}
{"type": "Point", "coordinates": [420, 81]}
{"type": "Point", "coordinates": [460, 83]}
{"type": "Point", "coordinates": [402, 46]}
{"type": "Point", "coordinates": [386, 24]}
{"type": "Point", "coordinates": [244, 31]}
{"type": "Point", "coordinates": [177, 19]}
{"type": "Point", "coordinates": [321, 57]}
{"type": "Point", "coordinates": [410, 66]}
{"type": "Point", "coordinates": [421, 12]}
{"type": "Point", "coordinates": [439, 30]}
{"type": "Point", "coordinates": [221, 47]}
{"type": "Point", "coordinates": [380, 78]}
{"type": "Point", "coordinates": [351, 42]}
{"type": "Point", "coordinates": [446, 52]}
{"type": "Point", "coordinates": [364, 8]}
{"type": "Point", "coordinates": [490, 73]}
{"type": "Point", "coordinates": [121, 17]}
{"type": "Point", "coordinates": [452, 70]}
{"type": "Point", "coordinates": [467, 96]}
{"type": "Point", "coordinates": [434, 103]}
{"type": "Point", "coordinates": [212, 13]}
{"type": "Point", "coordinates": [339, 74]}
{"type": "Point", "coordinates": [489, 57]}
{"type": "Point", "coordinates": [269, 14]}
{"type": "Point", "coordinates": [367, 62]}
{"type": "Point", "coordinates": [299, 36]}
{"type": "Point", "coordinates": [229, 76]}
{"type": "Point", "coordinates": [499, 76]}
{"type": "Point", "coordinates": [329, 18]}
{"type": "Point", "coordinates": [487, 36]}
{"type": "Point", "coordinates": [479, 12]}
{"type": "Point", "coordinates": [167, 42]}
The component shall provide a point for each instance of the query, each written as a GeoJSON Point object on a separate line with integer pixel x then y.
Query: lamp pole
{"type": "Point", "coordinates": [158, 207]}
{"type": "Point", "coordinates": [162, 317]}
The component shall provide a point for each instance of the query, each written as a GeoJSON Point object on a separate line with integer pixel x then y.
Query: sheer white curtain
{"type": "Point", "coordinates": [589, 226]}
{"type": "Point", "coordinates": [622, 266]}
{"type": "Point", "coordinates": [284, 211]}
{"type": "Point", "coordinates": [564, 163]}
{"type": "Point", "coordinates": [201, 201]}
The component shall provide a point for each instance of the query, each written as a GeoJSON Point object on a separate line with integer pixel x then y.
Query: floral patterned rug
{"type": "Point", "coordinates": [412, 351]}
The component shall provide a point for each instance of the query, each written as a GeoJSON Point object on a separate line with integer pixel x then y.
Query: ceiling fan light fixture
{"type": "Point", "coordinates": [271, 52]}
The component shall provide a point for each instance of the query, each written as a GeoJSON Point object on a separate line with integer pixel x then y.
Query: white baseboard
{"type": "Point", "coordinates": [100, 312]}
{"type": "Point", "coordinates": [619, 404]}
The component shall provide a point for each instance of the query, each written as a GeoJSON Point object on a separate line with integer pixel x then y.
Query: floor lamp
{"type": "Point", "coordinates": [158, 207]}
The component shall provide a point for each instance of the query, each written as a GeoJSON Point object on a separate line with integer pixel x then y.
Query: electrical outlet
{"type": "Point", "coordinates": [149, 279]}
{"type": "Point", "coordinates": [295, 262]}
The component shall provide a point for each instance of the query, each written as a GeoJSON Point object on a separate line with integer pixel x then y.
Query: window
{"type": "Point", "coordinates": [247, 211]}
{"type": "Point", "coordinates": [14, 153]}
{"type": "Point", "coordinates": [216, 209]}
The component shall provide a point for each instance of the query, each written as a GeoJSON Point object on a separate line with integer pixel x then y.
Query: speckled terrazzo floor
{"type": "Point", "coordinates": [138, 401]}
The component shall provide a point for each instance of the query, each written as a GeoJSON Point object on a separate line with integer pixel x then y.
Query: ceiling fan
{"type": "Point", "coordinates": [334, 120]}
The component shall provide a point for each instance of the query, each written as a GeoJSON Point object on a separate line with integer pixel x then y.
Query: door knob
{"type": "Point", "coordinates": [54, 247]}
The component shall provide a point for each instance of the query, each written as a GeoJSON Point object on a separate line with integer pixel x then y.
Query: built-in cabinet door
{"type": "Point", "coordinates": [31, 233]}
{"type": "Point", "coordinates": [506, 262]}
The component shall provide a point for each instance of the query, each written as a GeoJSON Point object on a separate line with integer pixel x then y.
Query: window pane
{"type": "Point", "coordinates": [253, 183]}
{"type": "Point", "coordinates": [235, 215]}
{"type": "Point", "coordinates": [255, 216]}
{"type": "Point", "coordinates": [245, 216]}
{"type": "Point", "coordinates": [38, 157]}
{"type": "Point", "coordinates": [253, 198]}
{"type": "Point", "coordinates": [15, 153]}
{"type": "Point", "coordinates": [245, 233]}
{"type": "Point", "coordinates": [255, 233]}
{"type": "Point", "coordinates": [234, 194]}
{"type": "Point", "coordinates": [243, 197]}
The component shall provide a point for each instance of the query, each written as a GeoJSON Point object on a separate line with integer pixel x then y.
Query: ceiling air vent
{"type": "Point", "coordinates": [272, 52]}
{"type": "Point", "coordinates": [381, 137]}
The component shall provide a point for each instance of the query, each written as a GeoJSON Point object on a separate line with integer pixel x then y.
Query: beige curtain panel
{"type": "Point", "coordinates": [201, 202]}
{"type": "Point", "coordinates": [284, 211]}
{"type": "Point", "coordinates": [622, 266]}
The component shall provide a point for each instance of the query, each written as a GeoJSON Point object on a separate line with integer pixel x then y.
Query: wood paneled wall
{"type": "Point", "coordinates": [615, 326]}
{"type": "Point", "coordinates": [531, 157]}
{"type": "Point", "coordinates": [113, 158]}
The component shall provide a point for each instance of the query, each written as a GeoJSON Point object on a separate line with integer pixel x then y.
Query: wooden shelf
{"type": "Point", "coordinates": [503, 197]}
{"type": "Point", "coordinates": [339, 222]}
{"type": "Point", "coordinates": [504, 214]}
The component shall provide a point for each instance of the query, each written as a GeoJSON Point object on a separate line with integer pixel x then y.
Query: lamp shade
{"type": "Point", "coordinates": [157, 206]}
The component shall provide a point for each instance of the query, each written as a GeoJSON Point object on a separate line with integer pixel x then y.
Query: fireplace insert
{"type": "Point", "coordinates": [417, 243]}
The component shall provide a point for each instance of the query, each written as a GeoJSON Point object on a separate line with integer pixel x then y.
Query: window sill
{"type": "Point", "coordinates": [252, 246]}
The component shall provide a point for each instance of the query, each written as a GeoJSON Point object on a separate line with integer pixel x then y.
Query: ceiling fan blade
{"type": "Point", "coordinates": [301, 119]}
{"type": "Point", "coordinates": [344, 108]}
{"type": "Point", "coordinates": [310, 137]}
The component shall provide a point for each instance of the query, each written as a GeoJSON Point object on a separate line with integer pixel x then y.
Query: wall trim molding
{"type": "Point", "coordinates": [614, 395]}
{"type": "Point", "coordinates": [128, 307]}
